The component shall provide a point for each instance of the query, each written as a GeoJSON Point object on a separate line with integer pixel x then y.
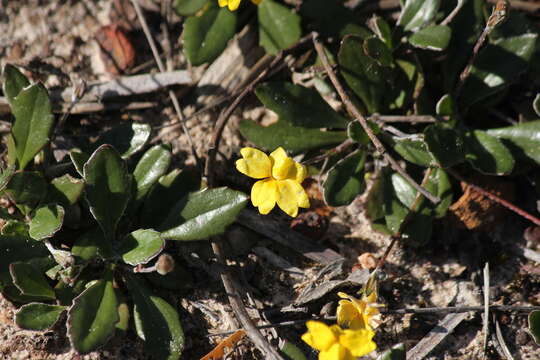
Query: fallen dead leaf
{"type": "Point", "coordinates": [219, 351]}
{"type": "Point", "coordinates": [116, 50]}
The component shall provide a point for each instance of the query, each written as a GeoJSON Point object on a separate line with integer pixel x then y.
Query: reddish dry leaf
{"type": "Point", "coordinates": [117, 52]}
{"type": "Point", "coordinates": [219, 351]}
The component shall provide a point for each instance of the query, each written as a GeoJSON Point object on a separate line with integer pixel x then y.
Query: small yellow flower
{"type": "Point", "coordinates": [356, 313]}
{"type": "Point", "coordinates": [281, 180]}
{"type": "Point", "coordinates": [334, 343]}
{"type": "Point", "coordinates": [233, 4]}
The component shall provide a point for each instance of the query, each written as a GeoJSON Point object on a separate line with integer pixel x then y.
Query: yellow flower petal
{"type": "Point", "coordinates": [336, 352]}
{"type": "Point", "coordinates": [283, 166]}
{"type": "Point", "coordinates": [348, 316]}
{"type": "Point", "coordinates": [358, 342]}
{"type": "Point", "coordinates": [291, 195]}
{"type": "Point", "coordinates": [301, 172]}
{"type": "Point", "coordinates": [223, 3]}
{"type": "Point", "coordinates": [233, 4]}
{"type": "Point", "coordinates": [319, 335]}
{"type": "Point", "coordinates": [264, 195]}
{"type": "Point", "coordinates": [255, 163]}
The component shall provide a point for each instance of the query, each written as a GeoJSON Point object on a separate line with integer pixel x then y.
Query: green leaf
{"type": "Point", "coordinates": [292, 351]}
{"type": "Point", "coordinates": [202, 214]}
{"type": "Point", "coordinates": [5, 176]}
{"type": "Point", "coordinates": [487, 154]}
{"type": "Point", "coordinates": [536, 104]}
{"type": "Point", "coordinates": [107, 188]}
{"type": "Point", "coordinates": [299, 106]}
{"type": "Point", "coordinates": [156, 322]}
{"type": "Point", "coordinates": [292, 138]}
{"type": "Point", "coordinates": [26, 189]}
{"type": "Point", "coordinates": [141, 246]}
{"type": "Point", "coordinates": [397, 352]}
{"type": "Point", "coordinates": [153, 164]}
{"type": "Point", "coordinates": [417, 13]}
{"type": "Point", "coordinates": [445, 106]}
{"type": "Point", "coordinates": [383, 31]}
{"type": "Point", "coordinates": [66, 190]}
{"type": "Point", "coordinates": [404, 191]}
{"type": "Point", "coordinates": [46, 221]}
{"type": "Point", "coordinates": [363, 74]}
{"type": "Point", "coordinates": [206, 36]}
{"type": "Point", "coordinates": [323, 15]}
{"type": "Point", "coordinates": [14, 82]}
{"type": "Point", "coordinates": [444, 144]}
{"type": "Point", "coordinates": [93, 316]}
{"type": "Point", "coordinates": [33, 122]}
{"type": "Point", "coordinates": [39, 317]}
{"type": "Point", "coordinates": [439, 185]}
{"type": "Point", "coordinates": [393, 209]}
{"type": "Point", "coordinates": [78, 158]}
{"type": "Point", "coordinates": [90, 244]}
{"type": "Point", "coordinates": [126, 138]}
{"type": "Point", "coordinates": [489, 75]}
{"type": "Point", "coordinates": [15, 227]}
{"type": "Point", "coordinates": [435, 37]}
{"type": "Point", "coordinates": [414, 151]}
{"type": "Point", "coordinates": [534, 325]}
{"type": "Point", "coordinates": [345, 181]}
{"type": "Point", "coordinates": [14, 248]}
{"type": "Point", "coordinates": [30, 281]}
{"type": "Point", "coordinates": [279, 26]}
{"type": "Point", "coordinates": [188, 7]}
{"type": "Point", "coordinates": [163, 195]}
{"type": "Point", "coordinates": [523, 139]}
{"type": "Point", "coordinates": [376, 49]}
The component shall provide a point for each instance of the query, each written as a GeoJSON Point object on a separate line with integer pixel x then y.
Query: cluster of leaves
{"type": "Point", "coordinates": [82, 228]}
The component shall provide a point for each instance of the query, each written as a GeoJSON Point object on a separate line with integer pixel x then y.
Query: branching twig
{"type": "Point", "coordinates": [507, 204]}
{"type": "Point", "coordinates": [362, 120]}
{"type": "Point", "coordinates": [162, 69]}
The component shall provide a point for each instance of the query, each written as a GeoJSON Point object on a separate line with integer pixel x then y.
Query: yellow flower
{"type": "Point", "coordinates": [356, 313]}
{"type": "Point", "coordinates": [334, 343]}
{"type": "Point", "coordinates": [233, 4]}
{"type": "Point", "coordinates": [281, 180]}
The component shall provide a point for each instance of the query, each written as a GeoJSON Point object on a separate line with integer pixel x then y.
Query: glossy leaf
{"type": "Point", "coordinates": [363, 74]}
{"type": "Point", "coordinates": [90, 244]}
{"type": "Point", "coordinates": [299, 106]}
{"type": "Point", "coordinates": [436, 37]}
{"type": "Point", "coordinates": [279, 26]}
{"type": "Point", "coordinates": [5, 176]}
{"type": "Point", "coordinates": [46, 221]}
{"type": "Point", "coordinates": [376, 49]}
{"type": "Point", "coordinates": [207, 35]}
{"type": "Point", "coordinates": [444, 144]}
{"type": "Point", "coordinates": [30, 281]}
{"type": "Point", "coordinates": [15, 227]}
{"type": "Point", "coordinates": [383, 31]}
{"type": "Point", "coordinates": [345, 181]}
{"type": "Point", "coordinates": [37, 316]}
{"type": "Point", "coordinates": [414, 151]}
{"type": "Point", "coordinates": [108, 186]}
{"type": "Point", "coordinates": [439, 185]}
{"type": "Point", "coordinates": [33, 122]}
{"type": "Point", "coordinates": [169, 189]}
{"type": "Point", "coordinates": [202, 214]}
{"type": "Point", "coordinates": [397, 352]}
{"type": "Point", "coordinates": [78, 158]}
{"type": "Point", "coordinates": [93, 316]}
{"type": "Point", "coordinates": [534, 325]}
{"type": "Point", "coordinates": [487, 153]}
{"type": "Point", "coordinates": [188, 7]}
{"type": "Point", "coordinates": [490, 75]}
{"type": "Point", "coordinates": [26, 189]}
{"type": "Point", "coordinates": [536, 104]}
{"type": "Point", "coordinates": [153, 164]}
{"type": "Point", "coordinates": [292, 138]}
{"type": "Point", "coordinates": [418, 13]}
{"type": "Point", "coordinates": [445, 106]}
{"type": "Point", "coordinates": [141, 246]}
{"type": "Point", "coordinates": [292, 351]}
{"type": "Point", "coordinates": [156, 322]}
{"type": "Point", "coordinates": [66, 189]}
{"type": "Point", "coordinates": [393, 209]}
{"type": "Point", "coordinates": [126, 138]}
{"type": "Point", "coordinates": [524, 138]}
{"type": "Point", "coordinates": [14, 82]}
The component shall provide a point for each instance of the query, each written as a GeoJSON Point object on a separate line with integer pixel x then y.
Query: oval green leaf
{"type": "Point", "coordinates": [279, 26]}
{"type": "Point", "coordinates": [33, 122]}
{"type": "Point", "coordinates": [156, 322]}
{"type": "Point", "coordinates": [397, 352]}
{"type": "Point", "coordinates": [188, 7]}
{"type": "Point", "coordinates": [126, 138]}
{"type": "Point", "coordinates": [14, 82]}
{"type": "Point", "coordinates": [202, 214]}
{"type": "Point", "coordinates": [66, 190]}
{"type": "Point", "coordinates": [524, 139]}
{"type": "Point", "coordinates": [46, 221]}
{"type": "Point", "coordinates": [93, 316]}
{"type": "Point", "coordinates": [37, 316]}
{"type": "Point", "coordinates": [153, 164]}
{"type": "Point", "coordinates": [30, 281]}
{"type": "Point", "coordinates": [141, 246]}
{"type": "Point", "coordinates": [26, 189]}
{"type": "Point", "coordinates": [206, 36]}
{"type": "Point", "coordinates": [414, 151]}
{"type": "Point", "coordinates": [487, 154]}
{"type": "Point", "coordinates": [91, 244]}
{"type": "Point", "coordinates": [345, 181]}
{"type": "Point", "coordinates": [534, 325]}
{"type": "Point", "coordinates": [444, 144]}
{"type": "Point", "coordinates": [417, 13]}
{"type": "Point", "coordinates": [108, 186]}
{"type": "Point", "coordinates": [436, 37]}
